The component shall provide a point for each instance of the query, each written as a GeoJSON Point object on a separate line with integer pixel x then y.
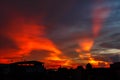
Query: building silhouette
{"type": "Point", "coordinates": [27, 67]}
{"type": "Point", "coordinates": [4, 68]}
{"type": "Point", "coordinates": [115, 65]}
{"type": "Point", "coordinates": [115, 70]}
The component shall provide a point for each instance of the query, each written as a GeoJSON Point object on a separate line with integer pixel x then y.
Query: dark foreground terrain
{"type": "Point", "coordinates": [35, 71]}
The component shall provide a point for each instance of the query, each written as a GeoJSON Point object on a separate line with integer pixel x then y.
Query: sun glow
{"type": "Point", "coordinates": [84, 50]}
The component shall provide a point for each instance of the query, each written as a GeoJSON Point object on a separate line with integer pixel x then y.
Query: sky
{"type": "Point", "coordinates": [60, 32]}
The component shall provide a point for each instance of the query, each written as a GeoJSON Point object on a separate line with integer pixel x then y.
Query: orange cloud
{"type": "Point", "coordinates": [99, 16]}
{"type": "Point", "coordinates": [29, 36]}
{"type": "Point", "coordinates": [86, 44]}
{"type": "Point", "coordinates": [100, 13]}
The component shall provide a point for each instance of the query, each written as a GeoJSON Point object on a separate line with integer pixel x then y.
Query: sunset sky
{"type": "Point", "coordinates": [60, 32]}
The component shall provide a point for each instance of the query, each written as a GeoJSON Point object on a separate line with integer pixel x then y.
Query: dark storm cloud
{"type": "Point", "coordinates": [54, 13]}
{"type": "Point", "coordinates": [111, 45]}
{"type": "Point", "coordinates": [111, 57]}
{"type": "Point", "coordinates": [55, 10]}
{"type": "Point", "coordinates": [6, 43]}
{"type": "Point", "coordinates": [112, 21]}
{"type": "Point", "coordinates": [114, 41]}
{"type": "Point", "coordinates": [38, 54]}
{"type": "Point", "coordinates": [109, 40]}
{"type": "Point", "coordinates": [102, 57]}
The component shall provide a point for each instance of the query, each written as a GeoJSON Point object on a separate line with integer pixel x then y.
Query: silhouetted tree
{"type": "Point", "coordinates": [80, 68]}
{"type": "Point", "coordinates": [89, 71]}
{"type": "Point", "coordinates": [79, 73]}
{"type": "Point", "coordinates": [88, 66]}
